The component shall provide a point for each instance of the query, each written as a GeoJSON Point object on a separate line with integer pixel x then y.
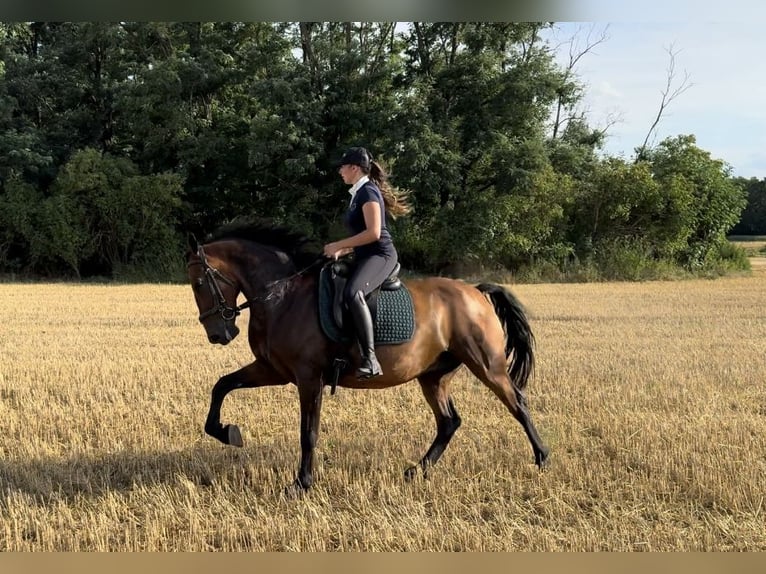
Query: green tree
{"type": "Point", "coordinates": [18, 203]}
{"type": "Point", "coordinates": [624, 203]}
{"type": "Point", "coordinates": [478, 97]}
{"type": "Point", "coordinates": [60, 236]}
{"type": "Point", "coordinates": [24, 104]}
{"type": "Point", "coordinates": [339, 91]}
{"type": "Point", "coordinates": [116, 217]}
{"type": "Point", "coordinates": [753, 219]}
{"type": "Point", "coordinates": [115, 137]}
{"type": "Point", "coordinates": [61, 79]}
{"type": "Point", "coordinates": [716, 200]}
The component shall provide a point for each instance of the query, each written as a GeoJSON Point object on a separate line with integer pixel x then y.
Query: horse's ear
{"type": "Point", "coordinates": [192, 242]}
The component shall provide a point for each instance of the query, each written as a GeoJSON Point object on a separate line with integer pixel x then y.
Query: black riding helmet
{"type": "Point", "coordinates": [356, 156]}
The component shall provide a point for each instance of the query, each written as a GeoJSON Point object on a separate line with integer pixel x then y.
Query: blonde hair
{"type": "Point", "coordinates": [395, 200]}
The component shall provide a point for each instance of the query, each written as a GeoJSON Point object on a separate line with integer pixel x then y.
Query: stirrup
{"type": "Point", "coordinates": [369, 369]}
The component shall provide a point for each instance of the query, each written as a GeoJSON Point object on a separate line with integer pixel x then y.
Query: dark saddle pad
{"type": "Point", "coordinates": [390, 306]}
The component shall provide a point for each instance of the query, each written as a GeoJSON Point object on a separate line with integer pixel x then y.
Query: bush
{"type": "Point", "coordinates": [725, 258]}
{"type": "Point", "coordinates": [631, 260]}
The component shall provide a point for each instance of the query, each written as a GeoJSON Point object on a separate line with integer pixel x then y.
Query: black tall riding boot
{"type": "Point", "coordinates": [366, 337]}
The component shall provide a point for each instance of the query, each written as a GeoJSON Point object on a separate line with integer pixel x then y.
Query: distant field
{"type": "Point", "coordinates": [747, 238]}
{"type": "Point", "coordinates": [651, 396]}
{"type": "Point", "coordinates": [754, 245]}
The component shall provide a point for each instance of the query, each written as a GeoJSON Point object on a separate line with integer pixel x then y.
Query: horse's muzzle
{"type": "Point", "coordinates": [229, 334]}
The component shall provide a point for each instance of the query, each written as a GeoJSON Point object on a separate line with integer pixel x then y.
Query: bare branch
{"type": "Point", "coordinates": [612, 119]}
{"type": "Point", "coordinates": [576, 52]}
{"type": "Point", "coordinates": [578, 48]}
{"type": "Point", "coordinates": [669, 94]}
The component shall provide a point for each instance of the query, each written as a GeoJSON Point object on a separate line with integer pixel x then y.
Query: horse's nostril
{"type": "Point", "coordinates": [214, 338]}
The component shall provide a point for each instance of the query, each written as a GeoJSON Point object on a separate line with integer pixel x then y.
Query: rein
{"type": "Point", "coordinates": [278, 282]}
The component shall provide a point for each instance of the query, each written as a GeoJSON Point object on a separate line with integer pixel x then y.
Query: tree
{"type": "Point", "coordinates": [626, 205]}
{"type": "Point", "coordinates": [716, 200]}
{"type": "Point", "coordinates": [669, 93]}
{"type": "Point", "coordinates": [753, 220]}
{"type": "Point", "coordinates": [119, 217]}
{"type": "Point", "coordinates": [477, 104]}
{"type": "Point", "coordinates": [339, 91]}
{"type": "Point", "coordinates": [23, 105]}
{"type": "Point", "coordinates": [570, 92]}
{"type": "Point", "coordinates": [115, 138]}
{"type": "Point", "coordinates": [18, 203]}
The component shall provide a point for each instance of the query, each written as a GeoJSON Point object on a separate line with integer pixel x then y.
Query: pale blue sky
{"type": "Point", "coordinates": [725, 107]}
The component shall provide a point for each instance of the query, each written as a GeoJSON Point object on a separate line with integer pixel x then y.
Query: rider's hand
{"type": "Point", "coordinates": [332, 250]}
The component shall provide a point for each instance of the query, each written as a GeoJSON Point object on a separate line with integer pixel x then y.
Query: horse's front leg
{"type": "Point", "coordinates": [310, 393]}
{"type": "Point", "coordinates": [257, 374]}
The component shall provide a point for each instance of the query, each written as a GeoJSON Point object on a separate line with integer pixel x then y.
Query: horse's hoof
{"type": "Point", "coordinates": [541, 460]}
{"type": "Point", "coordinates": [235, 437]}
{"type": "Point", "coordinates": [412, 472]}
{"type": "Point", "coordinates": [295, 490]}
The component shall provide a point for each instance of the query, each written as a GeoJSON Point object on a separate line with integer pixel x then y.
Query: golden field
{"type": "Point", "coordinates": [651, 396]}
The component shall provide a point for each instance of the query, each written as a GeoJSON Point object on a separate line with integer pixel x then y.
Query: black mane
{"type": "Point", "coordinates": [300, 248]}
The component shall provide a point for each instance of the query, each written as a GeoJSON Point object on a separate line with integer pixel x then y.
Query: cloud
{"type": "Point", "coordinates": [605, 89]}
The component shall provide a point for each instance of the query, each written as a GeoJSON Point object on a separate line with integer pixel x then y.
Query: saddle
{"type": "Point", "coordinates": [391, 309]}
{"type": "Point", "coordinates": [340, 271]}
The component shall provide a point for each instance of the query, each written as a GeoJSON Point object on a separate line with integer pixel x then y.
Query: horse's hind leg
{"type": "Point", "coordinates": [435, 388]}
{"type": "Point", "coordinates": [513, 399]}
{"type": "Point", "coordinates": [490, 369]}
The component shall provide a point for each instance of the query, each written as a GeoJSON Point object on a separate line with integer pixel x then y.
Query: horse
{"type": "Point", "coordinates": [483, 327]}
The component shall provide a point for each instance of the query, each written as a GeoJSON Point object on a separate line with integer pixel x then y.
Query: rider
{"type": "Point", "coordinates": [372, 197]}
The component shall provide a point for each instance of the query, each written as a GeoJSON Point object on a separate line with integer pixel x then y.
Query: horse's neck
{"type": "Point", "coordinates": [268, 280]}
{"type": "Point", "coordinates": [292, 296]}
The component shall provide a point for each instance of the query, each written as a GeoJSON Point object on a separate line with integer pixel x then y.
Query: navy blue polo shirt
{"type": "Point", "coordinates": [355, 222]}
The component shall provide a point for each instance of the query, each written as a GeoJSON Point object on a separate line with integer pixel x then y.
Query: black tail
{"type": "Point", "coordinates": [519, 339]}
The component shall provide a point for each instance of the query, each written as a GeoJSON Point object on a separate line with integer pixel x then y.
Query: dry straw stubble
{"type": "Point", "coordinates": [651, 396]}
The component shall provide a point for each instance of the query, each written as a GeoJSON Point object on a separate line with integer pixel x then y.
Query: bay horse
{"type": "Point", "coordinates": [483, 327]}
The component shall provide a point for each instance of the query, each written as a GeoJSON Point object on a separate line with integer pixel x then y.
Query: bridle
{"type": "Point", "coordinates": [227, 312]}
{"type": "Point", "coordinates": [212, 276]}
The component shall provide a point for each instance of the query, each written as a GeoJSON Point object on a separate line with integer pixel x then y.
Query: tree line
{"type": "Point", "coordinates": [118, 139]}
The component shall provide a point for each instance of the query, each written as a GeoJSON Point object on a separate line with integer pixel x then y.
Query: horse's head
{"type": "Point", "coordinates": [215, 292]}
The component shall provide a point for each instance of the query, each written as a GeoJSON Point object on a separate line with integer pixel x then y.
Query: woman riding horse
{"type": "Point", "coordinates": [482, 327]}
{"type": "Point", "coordinates": [374, 254]}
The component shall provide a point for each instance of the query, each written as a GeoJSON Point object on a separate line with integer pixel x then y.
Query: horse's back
{"type": "Point", "coordinates": [448, 309]}
{"type": "Point", "coordinates": [448, 297]}
{"type": "Point", "coordinates": [457, 310]}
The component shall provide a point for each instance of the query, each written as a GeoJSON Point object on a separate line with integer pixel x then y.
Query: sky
{"type": "Point", "coordinates": [724, 106]}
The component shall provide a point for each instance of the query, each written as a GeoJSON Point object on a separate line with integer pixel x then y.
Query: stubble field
{"type": "Point", "coordinates": [651, 396]}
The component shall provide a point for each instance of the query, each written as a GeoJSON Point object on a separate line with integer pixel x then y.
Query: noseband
{"type": "Point", "coordinates": [212, 275]}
